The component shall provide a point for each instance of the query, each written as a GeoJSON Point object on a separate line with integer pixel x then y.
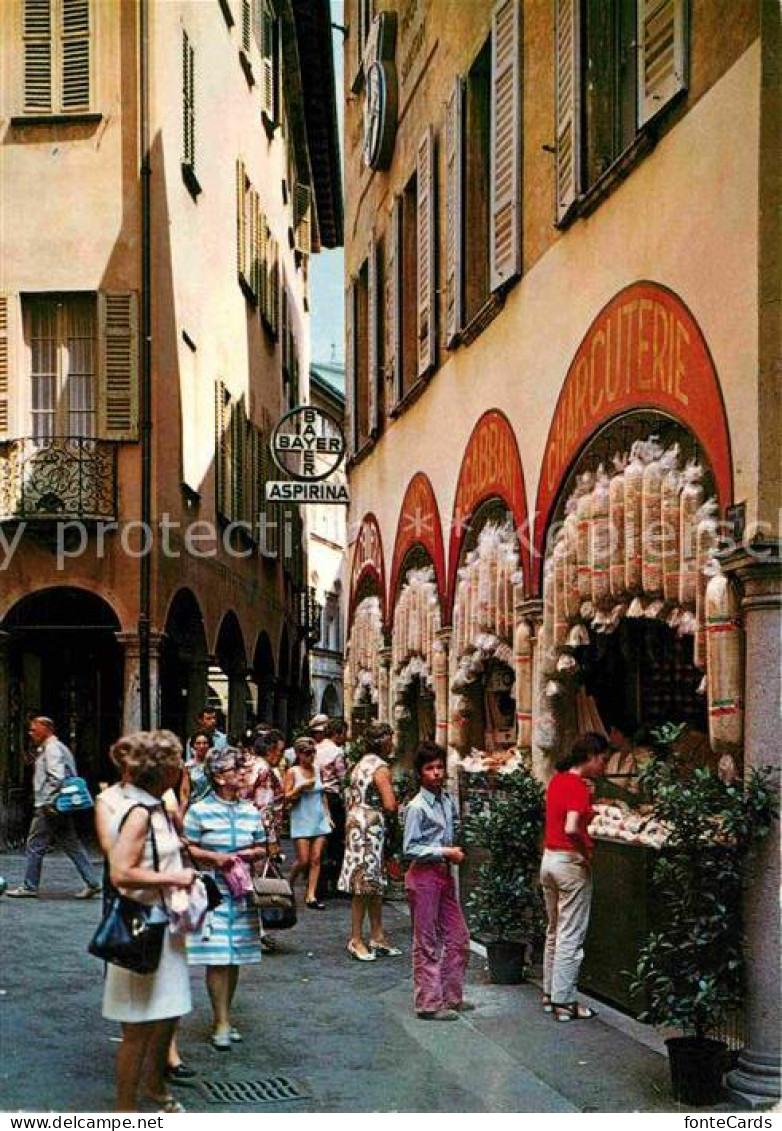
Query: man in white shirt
{"type": "Point", "coordinates": [53, 764]}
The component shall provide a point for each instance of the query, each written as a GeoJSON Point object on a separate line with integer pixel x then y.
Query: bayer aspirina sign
{"type": "Point", "coordinates": [309, 445]}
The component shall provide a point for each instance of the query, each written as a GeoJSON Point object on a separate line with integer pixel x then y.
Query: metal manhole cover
{"type": "Point", "coordinates": [274, 1090]}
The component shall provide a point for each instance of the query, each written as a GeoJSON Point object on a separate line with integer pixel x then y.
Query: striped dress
{"type": "Point", "coordinates": [232, 933]}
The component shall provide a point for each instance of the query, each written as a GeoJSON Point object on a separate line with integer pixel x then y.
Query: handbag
{"type": "Point", "coordinates": [73, 796]}
{"type": "Point", "coordinates": [237, 878]}
{"type": "Point", "coordinates": [273, 896]}
{"type": "Point", "coordinates": [131, 934]}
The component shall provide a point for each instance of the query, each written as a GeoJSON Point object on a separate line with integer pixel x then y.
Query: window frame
{"type": "Point", "coordinates": [57, 111]}
{"type": "Point", "coordinates": [63, 304]}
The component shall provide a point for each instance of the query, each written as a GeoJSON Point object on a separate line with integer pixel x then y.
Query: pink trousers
{"type": "Point", "coordinates": [441, 941]}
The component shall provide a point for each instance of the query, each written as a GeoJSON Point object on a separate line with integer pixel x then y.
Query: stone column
{"type": "Point", "coordinates": [237, 702]}
{"type": "Point", "coordinates": [756, 1080]}
{"type": "Point", "coordinates": [5, 705]}
{"type": "Point", "coordinates": [531, 610]}
{"type": "Point", "coordinates": [441, 663]}
{"type": "Point", "coordinates": [384, 685]}
{"type": "Point", "coordinates": [131, 696]}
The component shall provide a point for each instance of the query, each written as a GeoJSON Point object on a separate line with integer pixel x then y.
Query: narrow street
{"type": "Point", "coordinates": [343, 1034]}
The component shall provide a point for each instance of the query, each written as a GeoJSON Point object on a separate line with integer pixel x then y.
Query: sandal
{"type": "Point", "coordinates": [546, 1002]}
{"type": "Point", "coordinates": [384, 950]}
{"type": "Point", "coordinates": [315, 905]}
{"type": "Point", "coordinates": [572, 1012]}
{"type": "Point", "coordinates": [368, 957]}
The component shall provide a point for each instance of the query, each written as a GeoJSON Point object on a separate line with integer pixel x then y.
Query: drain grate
{"type": "Point", "coordinates": [274, 1090]}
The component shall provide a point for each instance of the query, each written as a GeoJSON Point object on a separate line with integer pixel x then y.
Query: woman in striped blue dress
{"type": "Point", "coordinates": [218, 829]}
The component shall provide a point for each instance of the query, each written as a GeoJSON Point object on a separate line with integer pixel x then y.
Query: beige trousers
{"type": "Point", "coordinates": [566, 880]}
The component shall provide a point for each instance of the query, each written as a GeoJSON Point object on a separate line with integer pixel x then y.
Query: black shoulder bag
{"type": "Point", "coordinates": [131, 934]}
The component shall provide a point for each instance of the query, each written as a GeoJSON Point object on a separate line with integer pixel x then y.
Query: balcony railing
{"type": "Point", "coordinates": [55, 477]}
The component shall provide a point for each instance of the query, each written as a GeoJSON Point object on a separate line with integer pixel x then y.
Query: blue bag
{"type": "Point", "coordinates": [73, 796]}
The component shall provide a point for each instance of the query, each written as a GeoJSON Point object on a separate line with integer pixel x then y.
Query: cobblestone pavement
{"type": "Point", "coordinates": [341, 1032]}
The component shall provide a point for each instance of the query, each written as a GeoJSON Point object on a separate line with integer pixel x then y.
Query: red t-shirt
{"type": "Point", "coordinates": [567, 793]}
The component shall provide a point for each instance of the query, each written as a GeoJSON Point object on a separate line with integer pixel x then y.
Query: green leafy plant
{"type": "Point", "coordinates": [691, 967]}
{"type": "Point", "coordinates": [506, 903]}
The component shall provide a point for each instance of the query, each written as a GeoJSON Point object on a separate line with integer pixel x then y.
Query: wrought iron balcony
{"type": "Point", "coordinates": [308, 614]}
{"type": "Point", "coordinates": [55, 477]}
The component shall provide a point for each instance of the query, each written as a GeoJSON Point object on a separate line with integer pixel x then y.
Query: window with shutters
{"type": "Point", "coordinates": [189, 117]}
{"type": "Point", "coordinates": [61, 339]}
{"type": "Point", "coordinates": [268, 38]}
{"type": "Point", "coordinates": [619, 63]}
{"type": "Point", "coordinates": [57, 48]}
{"type": "Point", "coordinates": [302, 218]}
{"type": "Point", "coordinates": [477, 179]}
{"type": "Point", "coordinates": [361, 330]}
{"type": "Point", "coordinates": [407, 336]}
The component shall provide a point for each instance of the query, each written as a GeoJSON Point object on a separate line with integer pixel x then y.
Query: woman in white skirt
{"type": "Point", "coordinates": [147, 1005]}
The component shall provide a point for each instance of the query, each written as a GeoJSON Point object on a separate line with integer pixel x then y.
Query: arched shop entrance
{"type": "Point", "coordinates": [61, 658]}
{"type": "Point", "coordinates": [184, 664]}
{"type": "Point", "coordinates": [229, 692]}
{"type": "Point", "coordinates": [418, 661]}
{"type": "Point", "coordinates": [365, 677]}
{"type": "Point", "coordinates": [638, 627]}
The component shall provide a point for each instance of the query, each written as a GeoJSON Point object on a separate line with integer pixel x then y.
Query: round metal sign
{"type": "Point", "coordinates": [308, 444]}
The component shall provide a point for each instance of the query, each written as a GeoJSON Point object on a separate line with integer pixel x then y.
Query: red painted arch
{"type": "Point", "coordinates": [491, 468]}
{"type": "Point", "coordinates": [418, 525]}
{"type": "Point", "coordinates": [368, 561]}
{"type": "Point", "coordinates": [643, 350]}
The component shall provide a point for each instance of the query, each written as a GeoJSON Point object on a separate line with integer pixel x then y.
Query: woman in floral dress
{"type": "Point", "coordinates": [370, 794]}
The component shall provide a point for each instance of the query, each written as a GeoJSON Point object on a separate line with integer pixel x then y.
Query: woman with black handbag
{"type": "Point", "coordinates": [145, 862]}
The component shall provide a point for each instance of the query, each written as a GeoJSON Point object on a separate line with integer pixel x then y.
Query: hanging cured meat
{"type": "Point", "coordinates": [706, 540]}
{"type": "Point", "coordinates": [690, 502]}
{"type": "Point", "coordinates": [651, 516]}
{"type": "Point", "coordinates": [560, 612]}
{"type": "Point", "coordinates": [724, 667]}
{"type": "Point", "coordinates": [584, 520]}
{"type": "Point", "coordinates": [522, 662]}
{"type": "Point", "coordinates": [671, 488]}
{"type": "Point", "coordinates": [633, 478]}
{"type": "Point", "coordinates": [600, 540]}
{"type": "Point", "coordinates": [616, 522]}
{"type": "Point", "coordinates": [572, 597]}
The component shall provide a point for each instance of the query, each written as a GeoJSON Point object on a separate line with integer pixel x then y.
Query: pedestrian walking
{"type": "Point", "coordinates": [370, 794]}
{"type": "Point", "coordinates": [148, 1005]}
{"type": "Point", "coordinates": [566, 874]}
{"type": "Point", "coordinates": [330, 735]}
{"type": "Point", "coordinates": [206, 723]}
{"type": "Point", "coordinates": [224, 833]}
{"type": "Point", "coordinates": [266, 791]}
{"type": "Point", "coordinates": [441, 941]}
{"type": "Point", "coordinates": [196, 785]}
{"type": "Point", "coordinates": [309, 818]}
{"type": "Point", "coordinates": [54, 762]}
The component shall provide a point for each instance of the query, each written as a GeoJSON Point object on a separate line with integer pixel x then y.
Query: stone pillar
{"type": "Point", "coordinates": [531, 611]}
{"type": "Point", "coordinates": [237, 702]}
{"type": "Point", "coordinates": [756, 1079]}
{"type": "Point", "coordinates": [198, 680]}
{"type": "Point", "coordinates": [131, 695]}
{"type": "Point", "coordinates": [441, 661]}
{"type": "Point", "coordinates": [384, 685]}
{"type": "Point", "coordinates": [5, 705]}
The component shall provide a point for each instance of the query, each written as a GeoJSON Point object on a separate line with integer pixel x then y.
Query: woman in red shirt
{"type": "Point", "coordinates": [566, 874]}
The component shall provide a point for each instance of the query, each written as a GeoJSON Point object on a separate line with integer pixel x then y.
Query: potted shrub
{"type": "Point", "coordinates": [690, 968]}
{"type": "Point", "coordinates": [505, 908]}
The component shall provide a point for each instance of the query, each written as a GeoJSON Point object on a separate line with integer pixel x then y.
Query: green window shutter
{"type": "Point", "coordinates": [505, 194]}
{"type": "Point", "coordinates": [118, 362]}
{"type": "Point", "coordinates": [568, 105]}
{"type": "Point", "coordinates": [6, 354]}
{"type": "Point", "coordinates": [454, 212]}
{"type": "Point", "coordinates": [75, 49]}
{"type": "Point", "coordinates": [426, 283]}
{"type": "Point", "coordinates": [662, 65]}
{"type": "Point", "coordinates": [37, 37]}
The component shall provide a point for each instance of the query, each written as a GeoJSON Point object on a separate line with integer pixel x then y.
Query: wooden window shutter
{"type": "Point", "coordinates": [454, 213]}
{"type": "Point", "coordinates": [241, 232]}
{"type": "Point", "coordinates": [118, 365]}
{"type": "Point", "coordinates": [254, 217]}
{"type": "Point", "coordinates": [263, 266]}
{"type": "Point", "coordinates": [505, 204]}
{"type": "Point", "coordinates": [373, 337]}
{"type": "Point", "coordinates": [222, 448]}
{"type": "Point", "coordinates": [284, 335]}
{"type": "Point", "coordinates": [395, 306]}
{"type": "Point", "coordinates": [75, 55]}
{"type": "Point", "coordinates": [6, 355]}
{"type": "Point", "coordinates": [662, 64]}
{"type": "Point", "coordinates": [238, 461]}
{"type": "Point", "coordinates": [267, 51]}
{"type": "Point", "coordinates": [37, 36]}
{"type": "Point", "coordinates": [427, 224]}
{"type": "Point", "coordinates": [351, 417]}
{"type": "Point", "coordinates": [247, 24]}
{"type": "Point", "coordinates": [188, 102]}
{"type": "Point", "coordinates": [274, 285]}
{"type": "Point", "coordinates": [269, 535]}
{"type": "Point", "coordinates": [302, 217]}
{"type": "Point", "coordinates": [568, 106]}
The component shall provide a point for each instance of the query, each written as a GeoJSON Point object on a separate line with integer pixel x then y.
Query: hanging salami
{"type": "Point", "coordinates": [522, 662]}
{"type": "Point", "coordinates": [600, 540]}
{"type": "Point", "coordinates": [651, 515]}
{"type": "Point", "coordinates": [616, 522]}
{"type": "Point", "coordinates": [724, 669]}
{"type": "Point", "coordinates": [584, 520]}
{"type": "Point", "coordinates": [706, 541]}
{"type": "Point", "coordinates": [633, 477]}
{"type": "Point", "coordinates": [671, 488]}
{"type": "Point", "coordinates": [690, 502]}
